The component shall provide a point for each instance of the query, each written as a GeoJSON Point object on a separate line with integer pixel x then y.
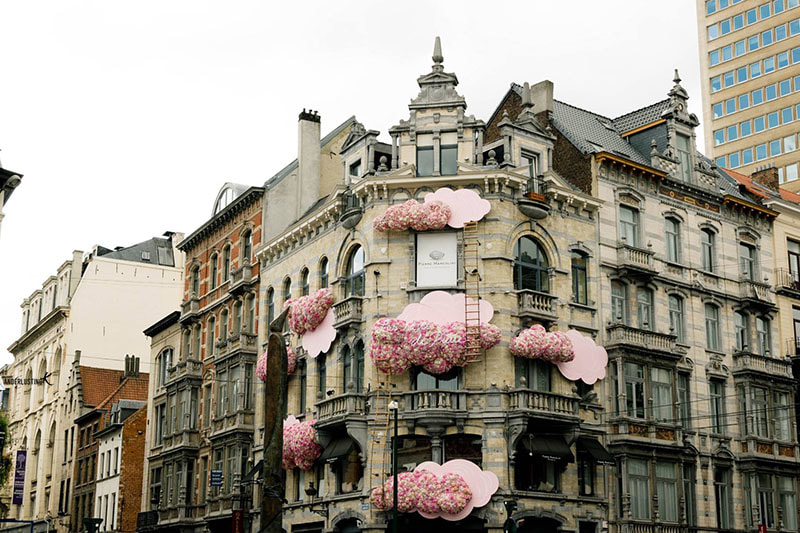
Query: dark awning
{"type": "Point", "coordinates": [337, 449]}
{"type": "Point", "coordinates": [593, 447]}
{"type": "Point", "coordinates": [552, 448]}
{"type": "Point", "coordinates": [253, 473]}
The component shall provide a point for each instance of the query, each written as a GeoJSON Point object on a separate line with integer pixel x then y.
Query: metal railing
{"type": "Point", "coordinates": [787, 279]}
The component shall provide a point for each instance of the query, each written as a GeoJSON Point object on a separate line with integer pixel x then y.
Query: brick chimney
{"type": "Point", "coordinates": [766, 176]}
{"type": "Point", "coordinates": [308, 159]}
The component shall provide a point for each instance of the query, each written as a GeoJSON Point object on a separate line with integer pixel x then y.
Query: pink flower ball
{"type": "Point", "coordinates": [308, 312]}
{"type": "Point", "coordinates": [261, 365]}
{"type": "Point", "coordinates": [454, 343]}
{"type": "Point", "coordinates": [389, 331]}
{"type": "Point", "coordinates": [454, 495]}
{"type": "Point", "coordinates": [378, 498]}
{"type": "Point", "coordinates": [429, 487]}
{"type": "Point", "coordinates": [389, 358]}
{"type": "Point", "coordinates": [490, 335]}
{"type": "Point", "coordinates": [422, 341]}
{"type": "Point", "coordinates": [438, 365]}
{"type": "Point", "coordinates": [562, 350]}
{"type": "Point", "coordinates": [406, 493]}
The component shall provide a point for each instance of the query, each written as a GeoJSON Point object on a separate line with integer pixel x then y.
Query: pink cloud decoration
{"type": "Point", "coordinates": [481, 484]}
{"type": "Point", "coordinates": [261, 365]}
{"type": "Point", "coordinates": [465, 205]}
{"type": "Point", "coordinates": [537, 343]}
{"type": "Point", "coordinates": [589, 363]}
{"type": "Point", "coordinates": [442, 308]}
{"type": "Point", "coordinates": [300, 444]}
{"type": "Point", "coordinates": [320, 339]}
{"type": "Point", "coordinates": [412, 214]}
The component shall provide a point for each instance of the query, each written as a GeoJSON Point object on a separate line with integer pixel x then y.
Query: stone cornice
{"type": "Point", "coordinates": [251, 195]}
{"type": "Point", "coordinates": [44, 324]}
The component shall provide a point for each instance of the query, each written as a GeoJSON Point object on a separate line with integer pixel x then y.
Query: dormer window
{"type": "Point", "coordinates": [424, 155]}
{"type": "Point", "coordinates": [448, 154]}
{"type": "Point", "coordinates": [683, 146]}
{"type": "Point", "coordinates": [225, 198]}
{"type": "Point", "coordinates": [355, 169]}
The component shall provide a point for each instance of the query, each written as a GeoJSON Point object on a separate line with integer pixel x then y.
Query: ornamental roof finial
{"type": "Point", "coordinates": [438, 58]}
{"type": "Point", "coordinates": [677, 78]}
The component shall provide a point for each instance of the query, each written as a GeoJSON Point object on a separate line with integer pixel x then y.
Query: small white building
{"type": "Point", "coordinates": [109, 456]}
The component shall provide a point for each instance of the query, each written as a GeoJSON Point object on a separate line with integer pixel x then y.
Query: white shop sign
{"type": "Point", "coordinates": [437, 259]}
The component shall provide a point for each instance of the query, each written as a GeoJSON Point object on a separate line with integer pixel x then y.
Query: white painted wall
{"type": "Point", "coordinates": [107, 488]}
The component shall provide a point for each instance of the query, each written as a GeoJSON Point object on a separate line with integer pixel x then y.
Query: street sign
{"type": "Point", "coordinates": [215, 479]}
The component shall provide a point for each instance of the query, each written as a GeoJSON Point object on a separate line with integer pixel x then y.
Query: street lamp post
{"type": "Point", "coordinates": [394, 407]}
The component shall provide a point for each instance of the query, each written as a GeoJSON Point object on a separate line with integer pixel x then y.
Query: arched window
{"type": "Point", "coordinates": [214, 271]}
{"type": "Point", "coordinates": [672, 228]}
{"type": "Point", "coordinates": [26, 396]}
{"type": "Point", "coordinates": [355, 276]}
{"type": "Point", "coordinates": [251, 313]}
{"type": "Point", "coordinates": [530, 266]}
{"type": "Point", "coordinates": [164, 361]}
{"type": "Point", "coordinates": [42, 373]}
{"type": "Point", "coordinates": [708, 249]}
{"type": "Point", "coordinates": [712, 326]}
{"type": "Point", "coordinates": [304, 282]}
{"type": "Point", "coordinates": [212, 322]}
{"type": "Point", "coordinates": [287, 289]}
{"type": "Point", "coordinates": [740, 331]}
{"type": "Point", "coordinates": [187, 343]}
{"type": "Point", "coordinates": [237, 318]}
{"type": "Point", "coordinates": [196, 342]}
{"type": "Point", "coordinates": [676, 316]}
{"type": "Point", "coordinates": [247, 246]}
{"type": "Point", "coordinates": [270, 306]}
{"type": "Point", "coordinates": [579, 278]}
{"type": "Point", "coordinates": [226, 264]}
{"type": "Point", "coordinates": [195, 286]}
{"type": "Point", "coordinates": [223, 325]}
{"type": "Point", "coordinates": [51, 442]}
{"type": "Point", "coordinates": [323, 273]}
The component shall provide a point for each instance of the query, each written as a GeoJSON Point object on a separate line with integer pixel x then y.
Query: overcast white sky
{"type": "Point", "coordinates": [126, 117]}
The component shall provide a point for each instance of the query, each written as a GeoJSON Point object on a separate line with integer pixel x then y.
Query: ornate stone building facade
{"type": "Point", "coordinates": [538, 264]}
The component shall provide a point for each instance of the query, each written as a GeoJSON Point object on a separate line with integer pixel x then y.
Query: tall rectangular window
{"type": "Point", "coordinates": [759, 411]}
{"type": "Point", "coordinates": [661, 391]}
{"type": "Point", "coordinates": [634, 390]}
{"type": "Point", "coordinates": [788, 502]}
{"type": "Point", "coordinates": [747, 261]}
{"type": "Point", "coordinates": [794, 258]}
{"type": "Point", "coordinates": [579, 282]}
{"type": "Point", "coordinates": [676, 316]}
{"type": "Point", "coordinates": [722, 495]}
{"type": "Point", "coordinates": [684, 395]}
{"type": "Point", "coordinates": [424, 155]}
{"type": "Point", "coordinates": [762, 336]}
{"type": "Point", "coordinates": [740, 331]}
{"type": "Point", "coordinates": [782, 414]}
{"type": "Point", "coordinates": [712, 327]}
{"type": "Point", "coordinates": [619, 303]}
{"type": "Point", "coordinates": [448, 154]}
{"type": "Point", "coordinates": [629, 225]}
{"type": "Point", "coordinates": [766, 506]}
{"type": "Point", "coordinates": [639, 488]}
{"type": "Point", "coordinates": [644, 308]}
{"type": "Point", "coordinates": [707, 242]}
{"type": "Point", "coordinates": [667, 490]}
{"type": "Point", "coordinates": [689, 495]}
{"type": "Point", "coordinates": [673, 242]}
{"type": "Point", "coordinates": [684, 156]}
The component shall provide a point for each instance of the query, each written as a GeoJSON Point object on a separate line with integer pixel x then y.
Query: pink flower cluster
{"type": "Point", "coordinates": [308, 312]}
{"type": "Point", "coordinates": [261, 366]}
{"type": "Point", "coordinates": [397, 345]}
{"type": "Point", "coordinates": [537, 343]}
{"type": "Point", "coordinates": [423, 491]}
{"type": "Point", "coordinates": [414, 215]}
{"type": "Point", "coordinates": [300, 446]}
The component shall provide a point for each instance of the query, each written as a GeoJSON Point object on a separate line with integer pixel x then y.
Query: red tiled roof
{"type": "Point", "coordinates": [98, 383]}
{"type": "Point", "coordinates": [130, 389]}
{"type": "Point", "coordinates": [749, 184]}
{"type": "Point", "coordinates": [789, 196]}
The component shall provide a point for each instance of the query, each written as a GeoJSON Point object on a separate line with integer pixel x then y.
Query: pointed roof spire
{"type": "Point", "coordinates": [677, 78]}
{"type": "Point", "coordinates": [438, 58]}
